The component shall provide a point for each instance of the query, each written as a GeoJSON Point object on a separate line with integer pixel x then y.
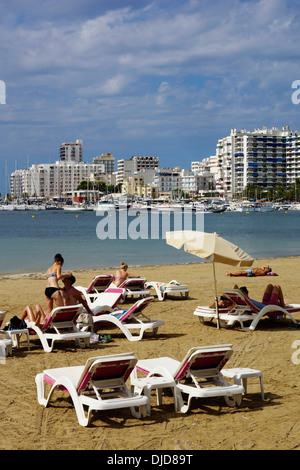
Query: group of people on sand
{"type": "Point", "coordinates": [272, 295]}
{"type": "Point", "coordinates": [69, 295]}
{"type": "Point", "coordinates": [63, 296]}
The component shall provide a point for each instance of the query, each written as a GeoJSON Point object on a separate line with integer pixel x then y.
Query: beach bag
{"type": "Point", "coordinates": [16, 324]}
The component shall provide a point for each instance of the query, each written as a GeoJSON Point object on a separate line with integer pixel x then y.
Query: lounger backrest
{"type": "Point", "coordinates": [111, 297]}
{"type": "Point", "coordinates": [63, 314]}
{"type": "Point", "coordinates": [114, 367]}
{"type": "Point", "coordinates": [136, 308]}
{"type": "Point", "coordinates": [204, 362]}
{"type": "Point", "coordinates": [100, 283]}
{"type": "Point", "coordinates": [240, 299]}
{"type": "Point", "coordinates": [135, 283]}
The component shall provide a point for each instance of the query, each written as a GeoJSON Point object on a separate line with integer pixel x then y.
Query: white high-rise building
{"type": "Point", "coordinates": [256, 157]}
{"type": "Point", "coordinates": [55, 179]}
{"type": "Point", "coordinates": [71, 152]}
{"type": "Point", "coordinates": [52, 179]}
{"type": "Point", "coordinates": [292, 157]}
{"type": "Point", "coordinates": [127, 168]}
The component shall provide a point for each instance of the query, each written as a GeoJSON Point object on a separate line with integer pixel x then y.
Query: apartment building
{"type": "Point", "coordinates": [292, 157]}
{"type": "Point", "coordinates": [137, 186]}
{"type": "Point", "coordinates": [106, 159]}
{"type": "Point", "coordinates": [71, 152]}
{"type": "Point", "coordinates": [167, 181]}
{"type": "Point", "coordinates": [256, 157]}
{"type": "Point", "coordinates": [52, 180]}
{"type": "Point", "coordinates": [197, 182]}
{"type": "Point", "coordinates": [55, 179]}
{"type": "Point", "coordinates": [129, 167]}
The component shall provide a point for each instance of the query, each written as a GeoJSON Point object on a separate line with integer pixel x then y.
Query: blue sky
{"type": "Point", "coordinates": [163, 77]}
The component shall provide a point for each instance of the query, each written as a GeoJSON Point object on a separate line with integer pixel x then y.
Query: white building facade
{"type": "Point", "coordinates": [129, 167]}
{"type": "Point", "coordinates": [71, 152]}
{"type": "Point", "coordinates": [256, 157]}
{"type": "Point", "coordinates": [52, 180]}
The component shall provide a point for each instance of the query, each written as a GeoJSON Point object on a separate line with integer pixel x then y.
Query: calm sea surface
{"type": "Point", "coordinates": [29, 239]}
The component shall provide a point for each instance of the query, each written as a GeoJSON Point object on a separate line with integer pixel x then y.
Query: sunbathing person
{"type": "Point", "coordinates": [273, 295]}
{"type": "Point", "coordinates": [251, 272]}
{"type": "Point", "coordinates": [122, 274]}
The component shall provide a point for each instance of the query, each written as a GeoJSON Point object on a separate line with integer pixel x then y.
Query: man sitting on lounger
{"type": "Point", "coordinates": [263, 271]}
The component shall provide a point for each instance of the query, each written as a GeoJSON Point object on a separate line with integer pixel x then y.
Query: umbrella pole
{"type": "Point", "coordinates": [216, 296]}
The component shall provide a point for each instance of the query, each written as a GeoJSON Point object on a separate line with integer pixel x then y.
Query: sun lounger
{"type": "Point", "coordinates": [135, 286]}
{"type": "Point", "coordinates": [132, 319]}
{"type": "Point", "coordinates": [244, 310]}
{"type": "Point", "coordinates": [110, 298]}
{"type": "Point", "coordinates": [104, 303]}
{"type": "Point", "coordinates": [99, 284]}
{"type": "Point", "coordinates": [238, 314]}
{"type": "Point", "coordinates": [98, 385]}
{"type": "Point", "coordinates": [198, 375]}
{"type": "Point", "coordinates": [162, 289]}
{"type": "Point", "coordinates": [61, 326]}
{"type": "Point", "coordinates": [6, 343]}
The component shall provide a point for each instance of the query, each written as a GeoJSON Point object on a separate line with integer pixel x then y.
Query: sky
{"type": "Point", "coordinates": [165, 77]}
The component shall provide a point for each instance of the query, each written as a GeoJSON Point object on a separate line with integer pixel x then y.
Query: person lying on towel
{"type": "Point", "coordinates": [263, 271]}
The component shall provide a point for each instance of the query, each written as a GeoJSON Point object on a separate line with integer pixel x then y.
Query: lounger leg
{"type": "Point", "coordinates": [244, 383]}
{"type": "Point", "coordinates": [39, 380]}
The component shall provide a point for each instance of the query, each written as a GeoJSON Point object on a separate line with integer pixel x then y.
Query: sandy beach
{"type": "Point", "coordinates": [210, 424]}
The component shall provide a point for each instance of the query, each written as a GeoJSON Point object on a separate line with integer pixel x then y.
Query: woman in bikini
{"type": "Point", "coordinates": [54, 274]}
{"type": "Point", "coordinates": [52, 293]}
{"type": "Point", "coordinates": [122, 274]}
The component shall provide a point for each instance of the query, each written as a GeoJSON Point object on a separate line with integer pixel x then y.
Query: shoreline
{"type": "Point", "coordinates": [39, 274]}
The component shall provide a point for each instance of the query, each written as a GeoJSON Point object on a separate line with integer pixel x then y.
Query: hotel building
{"type": "Point", "coordinates": [256, 157]}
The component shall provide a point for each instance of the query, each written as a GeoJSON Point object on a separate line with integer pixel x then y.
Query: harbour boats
{"type": "Point", "coordinates": [20, 207]}
{"type": "Point", "coordinates": [254, 206]}
{"type": "Point", "coordinates": [167, 207]}
{"type": "Point", "coordinates": [8, 207]}
{"type": "Point", "coordinates": [74, 207]}
{"type": "Point", "coordinates": [104, 206]}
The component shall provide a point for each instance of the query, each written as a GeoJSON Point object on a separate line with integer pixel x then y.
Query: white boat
{"type": "Point", "coordinates": [8, 207]}
{"type": "Point", "coordinates": [167, 207]}
{"type": "Point", "coordinates": [74, 208]}
{"type": "Point", "coordinates": [20, 207]}
{"type": "Point", "coordinates": [104, 206]}
{"type": "Point", "coordinates": [294, 207]}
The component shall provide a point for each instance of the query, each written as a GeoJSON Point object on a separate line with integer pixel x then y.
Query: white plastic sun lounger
{"type": "Point", "coordinates": [98, 284]}
{"type": "Point", "coordinates": [135, 286]}
{"type": "Point", "coordinates": [61, 326]}
{"type": "Point", "coordinates": [99, 385]}
{"type": "Point", "coordinates": [104, 303]}
{"type": "Point", "coordinates": [163, 289]}
{"type": "Point", "coordinates": [6, 343]}
{"type": "Point", "coordinates": [132, 319]}
{"type": "Point", "coordinates": [244, 311]}
{"type": "Point", "coordinates": [197, 375]}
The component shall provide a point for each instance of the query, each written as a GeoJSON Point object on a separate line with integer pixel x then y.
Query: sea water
{"type": "Point", "coordinates": [28, 242]}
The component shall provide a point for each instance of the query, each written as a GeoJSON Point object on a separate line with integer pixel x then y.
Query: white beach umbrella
{"type": "Point", "coordinates": [209, 245]}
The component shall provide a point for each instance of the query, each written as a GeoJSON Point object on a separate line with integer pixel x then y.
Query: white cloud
{"type": "Point", "coordinates": [166, 70]}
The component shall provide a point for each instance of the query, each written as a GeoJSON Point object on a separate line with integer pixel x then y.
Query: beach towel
{"type": "Point", "coordinates": [253, 275]}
